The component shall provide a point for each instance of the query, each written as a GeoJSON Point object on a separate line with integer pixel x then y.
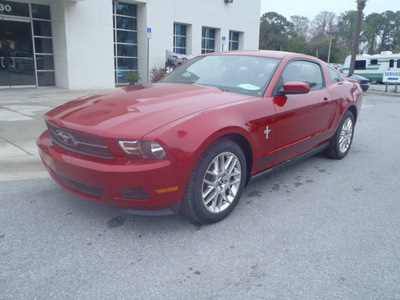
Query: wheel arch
{"type": "Point", "coordinates": [244, 144]}
{"type": "Point", "coordinates": [353, 110]}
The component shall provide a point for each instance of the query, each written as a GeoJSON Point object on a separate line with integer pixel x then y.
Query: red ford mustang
{"type": "Point", "coordinates": [192, 142]}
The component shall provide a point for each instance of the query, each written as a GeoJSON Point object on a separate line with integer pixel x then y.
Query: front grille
{"type": "Point", "coordinates": [80, 186]}
{"type": "Point", "coordinates": [79, 142]}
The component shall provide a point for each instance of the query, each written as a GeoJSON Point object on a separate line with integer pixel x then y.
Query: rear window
{"type": "Point", "coordinates": [335, 76]}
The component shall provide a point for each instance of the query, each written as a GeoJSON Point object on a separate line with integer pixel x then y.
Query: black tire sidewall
{"type": "Point", "coordinates": [339, 154]}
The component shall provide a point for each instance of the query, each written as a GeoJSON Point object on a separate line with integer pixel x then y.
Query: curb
{"type": "Point", "coordinates": [382, 93]}
{"type": "Point", "coordinates": [19, 168]}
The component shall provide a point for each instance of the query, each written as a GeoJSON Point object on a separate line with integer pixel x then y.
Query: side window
{"type": "Point", "coordinates": [304, 71]}
{"type": "Point", "coordinates": [360, 65]}
{"type": "Point", "coordinates": [373, 62]}
{"type": "Point", "coordinates": [391, 63]}
{"type": "Point", "coordinates": [334, 75]}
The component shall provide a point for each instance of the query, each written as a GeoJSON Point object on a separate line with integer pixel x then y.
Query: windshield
{"type": "Point", "coordinates": [248, 75]}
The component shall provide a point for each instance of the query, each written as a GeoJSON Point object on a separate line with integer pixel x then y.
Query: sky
{"type": "Point", "coordinates": [310, 8]}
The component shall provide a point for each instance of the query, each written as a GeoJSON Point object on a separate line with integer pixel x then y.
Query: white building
{"type": "Point", "coordinates": [79, 44]}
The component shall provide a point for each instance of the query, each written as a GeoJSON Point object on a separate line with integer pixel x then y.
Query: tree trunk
{"type": "Point", "coordinates": [354, 50]}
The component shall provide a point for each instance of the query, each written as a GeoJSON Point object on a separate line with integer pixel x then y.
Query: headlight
{"type": "Point", "coordinates": [140, 148]}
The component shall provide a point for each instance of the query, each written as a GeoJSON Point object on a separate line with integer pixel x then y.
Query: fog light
{"type": "Point", "coordinates": [134, 192]}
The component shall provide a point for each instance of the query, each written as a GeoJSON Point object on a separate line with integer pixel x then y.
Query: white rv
{"type": "Point", "coordinates": [373, 66]}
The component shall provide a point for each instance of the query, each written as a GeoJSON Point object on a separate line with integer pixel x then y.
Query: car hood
{"type": "Point", "coordinates": [133, 112]}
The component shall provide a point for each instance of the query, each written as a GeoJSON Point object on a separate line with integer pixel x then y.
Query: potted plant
{"type": "Point", "coordinates": [132, 77]}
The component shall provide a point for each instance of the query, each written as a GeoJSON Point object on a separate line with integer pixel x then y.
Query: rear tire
{"type": "Point", "coordinates": [216, 183]}
{"type": "Point", "coordinates": [340, 144]}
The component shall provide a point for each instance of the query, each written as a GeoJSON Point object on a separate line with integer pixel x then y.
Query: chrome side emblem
{"type": "Point", "coordinates": [66, 138]}
{"type": "Point", "coordinates": [267, 131]}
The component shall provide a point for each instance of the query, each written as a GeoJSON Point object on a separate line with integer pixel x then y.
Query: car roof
{"type": "Point", "coordinates": [264, 53]}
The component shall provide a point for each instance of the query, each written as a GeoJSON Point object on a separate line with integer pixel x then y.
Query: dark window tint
{"type": "Point", "coordinates": [398, 63]}
{"type": "Point", "coordinates": [374, 62]}
{"type": "Point", "coordinates": [46, 78]}
{"type": "Point", "coordinates": [234, 36]}
{"type": "Point", "coordinates": [40, 11]}
{"type": "Point", "coordinates": [126, 23]}
{"type": "Point", "coordinates": [180, 38]}
{"type": "Point", "coordinates": [233, 40]}
{"type": "Point", "coordinates": [125, 9]}
{"type": "Point", "coordinates": [360, 65]}
{"type": "Point", "coordinates": [391, 63]}
{"type": "Point", "coordinates": [44, 62]}
{"type": "Point", "coordinates": [180, 29]}
{"type": "Point", "coordinates": [43, 45]}
{"type": "Point", "coordinates": [125, 63]}
{"type": "Point", "coordinates": [180, 41]}
{"type": "Point", "coordinates": [125, 40]}
{"type": "Point", "coordinates": [126, 50]}
{"type": "Point", "coordinates": [208, 33]}
{"type": "Point", "coordinates": [208, 40]}
{"type": "Point", "coordinates": [126, 37]}
{"type": "Point", "coordinates": [41, 28]}
{"type": "Point", "coordinates": [120, 77]}
{"type": "Point", "coordinates": [210, 44]}
{"type": "Point", "coordinates": [180, 50]}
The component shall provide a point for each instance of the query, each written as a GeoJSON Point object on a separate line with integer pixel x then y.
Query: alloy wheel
{"type": "Point", "coordinates": [345, 135]}
{"type": "Point", "coordinates": [221, 182]}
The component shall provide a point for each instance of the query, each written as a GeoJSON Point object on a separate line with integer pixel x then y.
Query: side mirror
{"type": "Point", "coordinates": [294, 87]}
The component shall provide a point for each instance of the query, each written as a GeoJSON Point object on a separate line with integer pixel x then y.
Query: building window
{"type": "Point", "coordinates": [180, 38]}
{"type": "Point", "coordinates": [43, 45]}
{"type": "Point", "coordinates": [233, 40]}
{"type": "Point", "coordinates": [125, 40]}
{"type": "Point", "coordinates": [208, 40]}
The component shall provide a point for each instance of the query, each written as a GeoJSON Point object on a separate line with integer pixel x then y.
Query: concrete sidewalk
{"type": "Point", "coordinates": [21, 123]}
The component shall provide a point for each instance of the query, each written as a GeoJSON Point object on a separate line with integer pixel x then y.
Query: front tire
{"type": "Point", "coordinates": [216, 183]}
{"type": "Point", "coordinates": [341, 141]}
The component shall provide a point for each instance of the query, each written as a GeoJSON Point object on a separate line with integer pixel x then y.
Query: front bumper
{"type": "Point", "coordinates": [159, 184]}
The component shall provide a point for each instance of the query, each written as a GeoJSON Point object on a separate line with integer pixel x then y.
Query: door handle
{"type": "Point", "coordinates": [2, 62]}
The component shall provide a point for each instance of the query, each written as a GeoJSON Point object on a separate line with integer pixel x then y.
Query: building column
{"type": "Point", "coordinates": [83, 44]}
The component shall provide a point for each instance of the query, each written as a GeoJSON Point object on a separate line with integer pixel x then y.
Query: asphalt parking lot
{"type": "Point", "coordinates": [321, 229]}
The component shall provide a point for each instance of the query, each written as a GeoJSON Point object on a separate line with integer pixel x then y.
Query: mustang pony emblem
{"type": "Point", "coordinates": [267, 131]}
{"type": "Point", "coordinates": [66, 138]}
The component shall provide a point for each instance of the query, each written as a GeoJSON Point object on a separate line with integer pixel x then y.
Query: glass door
{"type": "Point", "coordinates": [17, 66]}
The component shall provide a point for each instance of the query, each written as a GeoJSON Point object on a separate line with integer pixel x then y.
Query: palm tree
{"type": "Point", "coordinates": [360, 7]}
